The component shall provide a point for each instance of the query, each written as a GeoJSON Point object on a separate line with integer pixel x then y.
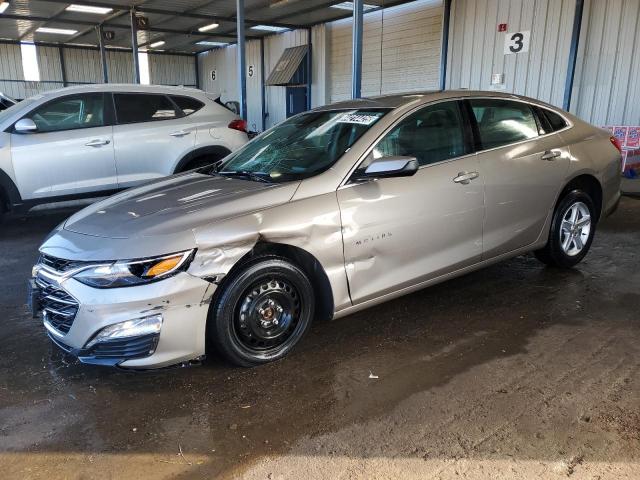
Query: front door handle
{"type": "Point", "coordinates": [466, 177]}
{"type": "Point", "coordinates": [179, 133]}
{"type": "Point", "coordinates": [550, 155]}
{"type": "Point", "coordinates": [97, 142]}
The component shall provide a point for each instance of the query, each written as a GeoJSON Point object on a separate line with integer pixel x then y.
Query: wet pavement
{"type": "Point", "coordinates": [514, 371]}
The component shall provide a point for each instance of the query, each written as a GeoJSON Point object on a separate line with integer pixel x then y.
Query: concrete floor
{"type": "Point", "coordinates": [515, 371]}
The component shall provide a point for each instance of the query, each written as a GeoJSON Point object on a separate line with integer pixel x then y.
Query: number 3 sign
{"type": "Point", "coordinates": [516, 42]}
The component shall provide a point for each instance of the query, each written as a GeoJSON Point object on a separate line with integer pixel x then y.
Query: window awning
{"type": "Point", "coordinates": [287, 66]}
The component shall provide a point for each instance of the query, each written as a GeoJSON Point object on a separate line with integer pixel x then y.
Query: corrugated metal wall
{"type": "Point", "coordinates": [223, 61]}
{"type": "Point", "coordinates": [172, 69]}
{"type": "Point", "coordinates": [401, 50]}
{"type": "Point", "coordinates": [83, 66]}
{"type": "Point", "coordinates": [607, 83]}
{"type": "Point", "coordinates": [476, 46]}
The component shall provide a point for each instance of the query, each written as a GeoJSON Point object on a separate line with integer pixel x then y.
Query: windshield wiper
{"type": "Point", "coordinates": [245, 174]}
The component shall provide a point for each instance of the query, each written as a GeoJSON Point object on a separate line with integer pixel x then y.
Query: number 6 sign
{"type": "Point", "coordinates": [516, 42]}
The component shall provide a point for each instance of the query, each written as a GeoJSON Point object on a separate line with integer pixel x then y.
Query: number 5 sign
{"type": "Point", "coordinates": [516, 42]}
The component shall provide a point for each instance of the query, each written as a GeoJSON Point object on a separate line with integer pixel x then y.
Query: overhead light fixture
{"type": "Point", "coordinates": [269, 28]}
{"type": "Point", "coordinates": [156, 44]}
{"type": "Point", "coordinates": [58, 31]}
{"type": "Point", "coordinates": [349, 6]}
{"type": "Point", "coordinates": [207, 43]}
{"type": "Point", "coordinates": [88, 9]}
{"type": "Point", "coordinates": [211, 26]}
{"type": "Point", "coordinates": [3, 6]}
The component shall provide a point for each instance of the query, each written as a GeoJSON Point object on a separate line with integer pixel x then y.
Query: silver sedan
{"type": "Point", "coordinates": [328, 213]}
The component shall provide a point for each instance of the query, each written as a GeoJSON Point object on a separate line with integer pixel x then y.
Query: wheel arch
{"type": "Point", "coordinates": [324, 307]}
{"type": "Point", "coordinates": [590, 184]}
{"type": "Point", "coordinates": [218, 151]}
{"type": "Point", "coordinates": [9, 193]}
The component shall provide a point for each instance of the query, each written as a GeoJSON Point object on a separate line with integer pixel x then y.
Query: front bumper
{"type": "Point", "coordinates": [182, 301]}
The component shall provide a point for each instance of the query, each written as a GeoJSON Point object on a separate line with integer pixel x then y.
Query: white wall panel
{"type": "Point", "coordinates": [11, 69]}
{"type": "Point", "coordinates": [172, 70]}
{"type": "Point", "coordinates": [120, 66]}
{"type": "Point", "coordinates": [476, 46]}
{"type": "Point", "coordinates": [607, 86]}
{"type": "Point", "coordinates": [401, 50]}
{"type": "Point", "coordinates": [82, 65]}
{"type": "Point", "coordinates": [223, 60]}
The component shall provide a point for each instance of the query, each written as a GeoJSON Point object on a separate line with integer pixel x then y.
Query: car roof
{"type": "Point", "coordinates": [123, 87]}
{"type": "Point", "coordinates": [400, 100]}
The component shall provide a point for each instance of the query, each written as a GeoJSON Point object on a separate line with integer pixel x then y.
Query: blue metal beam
{"type": "Point", "coordinates": [573, 54]}
{"type": "Point", "coordinates": [356, 67]}
{"type": "Point", "coordinates": [309, 68]}
{"type": "Point", "coordinates": [134, 47]}
{"type": "Point", "coordinates": [103, 54]}
{"type": "Point", "coordinates": [242, 78]}
{"type": "Point", "coordinates": [444, 48]}
{"type": "Point", "coordinates": [263, 102]}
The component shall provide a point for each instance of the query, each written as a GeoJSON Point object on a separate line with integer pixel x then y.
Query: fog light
{"type": "Point", "coordinates": [131, 328]}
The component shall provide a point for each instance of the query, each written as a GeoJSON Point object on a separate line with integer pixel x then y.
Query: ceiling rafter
{"type": "Point", "coordinates": [161, 11]}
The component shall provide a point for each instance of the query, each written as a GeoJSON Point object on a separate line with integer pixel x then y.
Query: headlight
{"type": "Point", "coordinates": [134, 272]}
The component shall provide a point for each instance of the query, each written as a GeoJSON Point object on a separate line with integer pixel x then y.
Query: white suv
{"type": "Point", "coordinates": [90, 141]}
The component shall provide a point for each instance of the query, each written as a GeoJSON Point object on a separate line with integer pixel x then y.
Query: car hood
{"type": "Point", "coordinates": [162, 215]}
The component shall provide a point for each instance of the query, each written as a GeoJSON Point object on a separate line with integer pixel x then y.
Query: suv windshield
{"type": "Point", "coordinates": [300, 147]}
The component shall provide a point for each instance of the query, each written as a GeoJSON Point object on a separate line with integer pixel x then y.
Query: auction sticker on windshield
{"type": "Point", "coordinates": [359, 118]}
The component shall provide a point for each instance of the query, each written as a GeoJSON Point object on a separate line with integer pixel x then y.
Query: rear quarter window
{"type": "Point", "coordinates": [188, 105]}
{"type": "Point", "coordinates": [555, 120]}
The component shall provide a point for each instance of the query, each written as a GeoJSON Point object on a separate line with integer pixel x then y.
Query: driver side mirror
{"type": "Point", "coordinates": [387, 167]}
{"type": "Point", "coordinates": [25, 125]}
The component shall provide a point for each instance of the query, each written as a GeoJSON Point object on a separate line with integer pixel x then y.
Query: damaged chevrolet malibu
{"type": "Point", "coordinates": [327, 213]}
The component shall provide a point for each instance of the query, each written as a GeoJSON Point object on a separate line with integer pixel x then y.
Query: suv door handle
{"type": "Point", "coordinates": [550, 155]}
{"type": "Point", "coordinates": [179, 133]}
{"type": "Point", "coordinates": [97, 142]}
{"type": "Point", "coordinates": [466, 177]}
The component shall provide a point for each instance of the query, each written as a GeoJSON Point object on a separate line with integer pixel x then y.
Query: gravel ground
{"type": "Point", "coordinates": [515, 371]}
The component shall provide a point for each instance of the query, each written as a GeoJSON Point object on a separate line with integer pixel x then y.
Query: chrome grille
{"type": "Point", "coordinates": [59, 264]}
{"type": "Point", "coordinates": [59, 308]}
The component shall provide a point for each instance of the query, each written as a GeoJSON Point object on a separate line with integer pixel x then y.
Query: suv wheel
{"type": "Point", "coordinates": [262, 312]}
{"type": "Point", "coordinates": [572, 231]}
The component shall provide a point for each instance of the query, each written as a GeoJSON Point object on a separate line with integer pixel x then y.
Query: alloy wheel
{"type": "Point", "coordinates": [575, 228]}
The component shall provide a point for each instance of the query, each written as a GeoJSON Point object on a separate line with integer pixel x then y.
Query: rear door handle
{"type": "Point", "coordinates": [550, 155]}
{"type": "Point", "coordinates": [179, 133]}
{"type": "Point", "coordinates": [97, 142]}
{"type": "Point", "coordinates": [464, 177]}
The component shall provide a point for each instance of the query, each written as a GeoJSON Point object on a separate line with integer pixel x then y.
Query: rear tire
{"type": "Point", "coordinates": [262, 312]}
{"type": "Point", "coordinates": [572, 230]}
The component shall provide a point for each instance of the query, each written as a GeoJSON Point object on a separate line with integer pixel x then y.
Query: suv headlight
{"type": "Point", "coordinates": [127, 273]}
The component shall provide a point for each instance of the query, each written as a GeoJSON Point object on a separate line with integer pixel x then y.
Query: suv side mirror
{"type": "Point", "coordinates": [386, 167]}
{"type": "Point", "coordinates": [25, 125]}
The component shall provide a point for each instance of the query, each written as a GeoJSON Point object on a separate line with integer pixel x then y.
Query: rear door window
{"type": "Point", "coordinates": [144, 107]}
{"type": "Point", "coordinates": [188, 105]}
{"type": "Point", "coordinates": [501, 122]}
{"type": "Point", "coordinates": [70, 113]}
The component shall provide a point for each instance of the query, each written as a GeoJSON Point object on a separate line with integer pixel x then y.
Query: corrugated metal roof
{"type": "Point", "coordinates": [287, 65]}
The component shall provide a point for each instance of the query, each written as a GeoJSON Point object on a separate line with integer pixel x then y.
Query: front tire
{"type": "Point", "coordinates": [262, 312]}
{"type": "Point", "coordinates": [572, 230]}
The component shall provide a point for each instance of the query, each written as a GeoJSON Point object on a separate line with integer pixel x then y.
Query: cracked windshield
{"type": "Point", "coordinates": [301, 147]}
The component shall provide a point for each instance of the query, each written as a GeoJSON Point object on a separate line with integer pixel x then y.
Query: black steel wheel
{"type": "Point", "coordinates": [262, 312]}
